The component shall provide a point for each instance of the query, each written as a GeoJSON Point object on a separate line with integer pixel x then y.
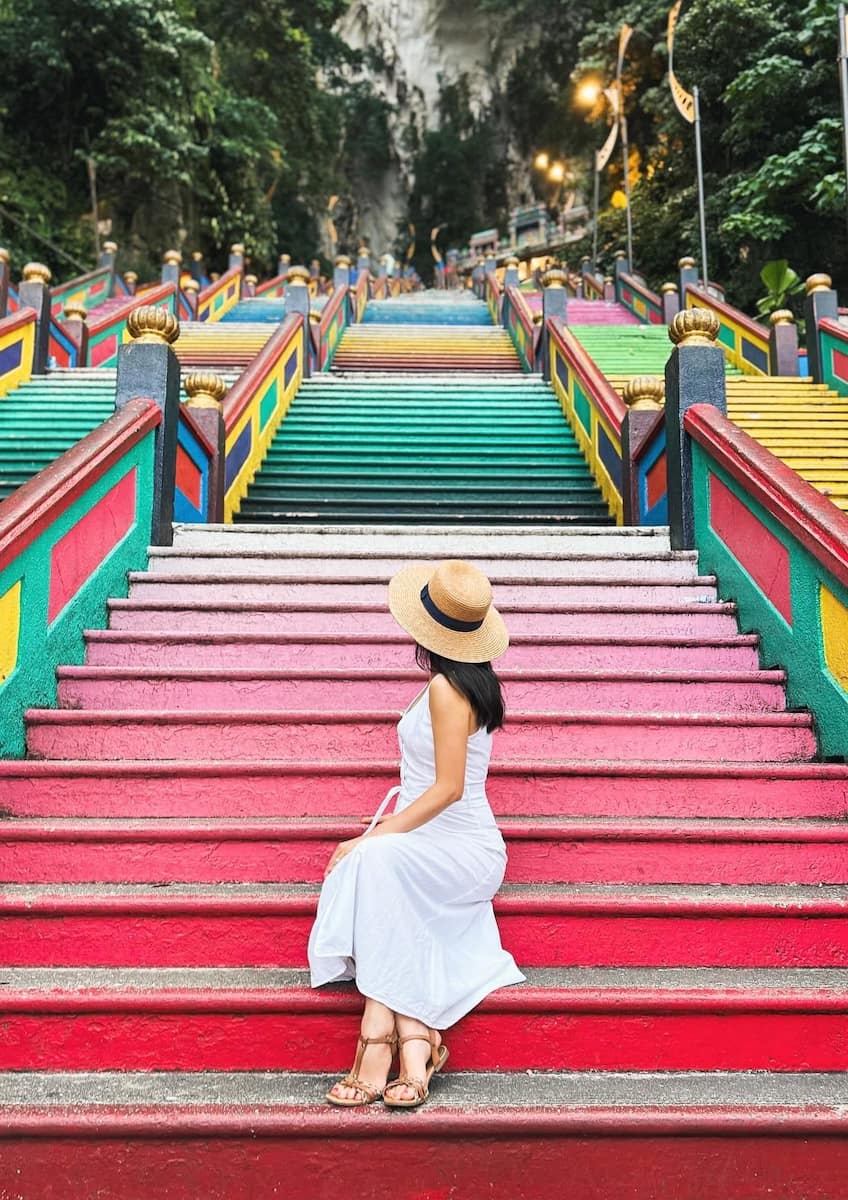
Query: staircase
{"type": "Point", "coordinates": [675, 890]}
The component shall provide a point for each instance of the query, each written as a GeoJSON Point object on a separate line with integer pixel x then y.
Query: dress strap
{"type": "Point", "coordinates": [384, 804]}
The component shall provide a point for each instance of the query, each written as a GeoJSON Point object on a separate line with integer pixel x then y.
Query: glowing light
{"type": "Point", "coordinates": [557, 172]}
{"type": "Point", "coordinates": [540, 162]}
{"type": "Point", "coordinates": [588, 92]}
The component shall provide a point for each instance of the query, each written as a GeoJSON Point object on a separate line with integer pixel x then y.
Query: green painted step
{"type": "Point", "coordinates": [629, 349]}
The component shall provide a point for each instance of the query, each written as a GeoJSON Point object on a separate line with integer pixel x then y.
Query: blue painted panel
{"type": "Point", "coordinates": [237, 456]}
{"type": "Point", "coordinates": [10, 357]}
{"type": "Point", "coordinates": [610, 457]}
{"type": "Point", "coordinates": [184, 509]}
{"type": "Point", "coordinates": [290, 369]}
{"type": "Point", "coordinates": [755, 355]}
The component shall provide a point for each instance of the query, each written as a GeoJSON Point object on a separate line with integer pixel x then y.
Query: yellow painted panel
{"type": "Point", "coordinates": [10, 630]}
{"type": "Point", "coordinates": [834, 619]}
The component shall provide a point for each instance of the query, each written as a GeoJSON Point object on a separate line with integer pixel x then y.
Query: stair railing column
{"type": "Point", "coordinates": [197, 268]}
{"type": "Point", "coordinates": [74, 323]}
{"type": "Point", "coordinates": [341, 271]}
{"type": "Point", "coordinates": [148, 369]}
{"type": "Point", "coordinates": [644, 396]}
{"type": "Point", "coordinates": [4, 281]}
{"type": "Point", "coordinates": [107, 258]}
{"type": "Point", "coordinates": [554, 304]}
{"type": "Point", "coordinates": [131, 280]}
{"type": "Point", "coordinates": [694, 374]}
{"type": "Point", "coordinates": [171, 264]}
{"type": "Point", "coordinates": [191, 291]}
{"type": "Point", "coordinates": [670, 302]}
{"type": "Point", "coordinates": [609, 287]}
{"type": "Point", "coordinates": [783, 343]}
{"type": "Point", "coordinates": [688, 269]}
{"type": "Point", "coordinates": [206, 391]}
{"type": "Point", "coordinates": [250, 282]}
{"type": "Point", "coordinates": [511, 278]}
{"type": "Point", "coordinates": [236, 258]}
{"type": "Point", "coordinates": [821, 304]}
{"type": "Point", "coordinates": [478, 276]}
{"type": "Point", "coordinates": [619, 269]}
{"type": "Point", "coordinates": [283, 265]}
{"type": "Point", "coordinates": [34, 292]}
{"type": "Point", "coordinates": [296, 300]}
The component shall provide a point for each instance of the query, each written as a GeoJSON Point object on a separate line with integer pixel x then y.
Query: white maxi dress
{"type": "Point", "coordinates": [409, 915]}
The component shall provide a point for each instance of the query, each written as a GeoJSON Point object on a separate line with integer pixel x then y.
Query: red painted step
{"type": "Point", "coordinates": [240, 690]}
{"type": "Point", "coordinates": [547, 926]}
{"type": "Point", "coordinates": [220, 788]}
{"type": "Point", "coordinates": [557, 850]}
{"type": "Point", "coordinates": [280, 651]}
{"type": "Point", "coordinates": [736, 737]}
{"type": "Point", "coordinates": [577, 1020]}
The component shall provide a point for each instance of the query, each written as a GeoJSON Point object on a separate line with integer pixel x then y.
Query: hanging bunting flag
{"type": "Point", "coordinates": [410, 253]}
{"type": "Point", "coordinates": [434, 233]}
{"type": "Point", "coordinates": [684, 100]}
{"type": "Point", "coordinates": [603, 155]}
{"type": "Point", "coordinates": [623, 41]}
{"type": "Point", "coordinates": [331, 227]}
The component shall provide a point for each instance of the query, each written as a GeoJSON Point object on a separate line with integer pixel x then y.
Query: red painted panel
{"type": "Point", "coordinates": [656, 481]}
{"type": "Point", "coordinates": [104, 350]}
{"type": "Point", "coordinates": [764, 558]}
{"type": "Point", "coordinates": [840, 364]}
{"type": "Point", "coordinates": [80, 552]}
{"type": "Point", "coordinates": [188, 477]}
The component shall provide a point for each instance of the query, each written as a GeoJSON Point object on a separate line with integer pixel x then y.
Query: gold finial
{"type": "Point", "coordinates": [644, 392]}
{"type": "Point", "coordinates": [298, 275]}
{"type": "Point", "coordinates": [694, 327]}
{"type": "Point", "coordinates": [151, 324]}
{"type": "Point", "coordinates": [815, 283]}
{"type": "Point", "coordinates": [214, 276]}
{"type": "Point", "coordinates": [782, 316]}
{"type": "Point", "coordinates": [669, 289]}
{"type": "Point", "coordinates": [608, 281]}
{"type": "Point", "coordinates": [586, 258]}
{"type": "Point", "coordinates": [363, 252]}
{"type": "Point", "coordinates": [538, 317]}
{"type": "Point", "coordinates": [197, 256]}
{"type": "Point", "coordinates": [74, 311]}
{"type": "Point", "coordinates": [342, 260]}
{"type": "Point", "coordinates": [35, 272]}
{"type": "Point", "coordinates": [4, 254]}
{"type": "Point", "coordinates": [251, 280]}
{"type": "Point", "coordinates": [511, 262]}
{"type": "Point", "coordinates": [285, 258]}
{"type": "Point", "coordinates": [204, 389]}
{"type": "Point", "coordinates": [191, 285]}
{"type": "Point", "coordinates": [172, 258]}
{"type": "Point", "coordinates": [110, 247]}
{"type": "Point", "coordinates": [130, 277]}
{"type": "Point", "coordinates": [620, 254]}
{"type": "Point", "coordinates": [687, 263]}
{"type": "Point", "coordinates": [315, 316]}
{"type": "Point", "coordinates": [555, 278]}
{"type": "Point", "coordinates": [237, 248]}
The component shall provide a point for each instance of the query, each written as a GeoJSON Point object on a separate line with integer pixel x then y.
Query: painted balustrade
{"type": "Point", "coordinates": [780, 550]}
{"type": "Point", "coordinates": [638, 298]}
{"type": "Point", "coordinates": [494, 296]}
{"type": "Point", "coordinates": [593, 286]}
{"type": "Point", "coordinates": [68, 537]}
{"type": "Point", "coordinates": [517, 319]}
{"type": "Point", "coordinates": [17, 347]}
{"type": "Point", "coordinates": [256, 404]}
{"type": "Point", "coordinates": [111, 331]}
{"type": "Point", "coordinates": [87, 291]}
{"type": "Point", "coordinates": [744, 341]}
{"type": "Point", "coordinates": [331, 327]}
{"type": "Point", "coordinates": [272, 289]}
{"type": "Point", "coordinates": [216, 300]}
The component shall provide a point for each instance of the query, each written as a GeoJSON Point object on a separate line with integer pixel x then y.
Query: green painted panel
{"type": "Point", "coordinates": [268, 406]}
{"type": "Point", "coordinates": [582, 409]}
{"type": "Point", "coordinates": [727, 336]}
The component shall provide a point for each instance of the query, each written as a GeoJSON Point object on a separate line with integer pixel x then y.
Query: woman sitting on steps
{"type": "Point", "coordinates": [405, 909]}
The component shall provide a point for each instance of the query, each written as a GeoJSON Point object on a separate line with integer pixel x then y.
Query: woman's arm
{"type": "Point", "coordinates": [453, 721]}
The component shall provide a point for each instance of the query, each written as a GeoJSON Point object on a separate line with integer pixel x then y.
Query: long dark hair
{"type": "Point", "coordinates": [477, 682]}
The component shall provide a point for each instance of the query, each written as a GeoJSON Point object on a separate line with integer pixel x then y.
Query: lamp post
{"type": "Point", "coordinates": [843, 85]}
{"type": "Point", "coordinates": [588, 95]}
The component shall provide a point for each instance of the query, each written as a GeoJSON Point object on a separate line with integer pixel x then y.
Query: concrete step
{"type": "Point", "coordinates": [577, 1019]}
{"type": "Point", "coordinates": [216, 787]}
{"type": "Point", "coordinates": [543, 850]}
{"type": "Point", "coordinates": [162, 734]}
{"type": "Point", "coordinates": [546, 925]}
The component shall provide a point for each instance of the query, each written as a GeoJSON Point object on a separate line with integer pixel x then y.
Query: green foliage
{"type": "Point", "coordinates": [781, 282]}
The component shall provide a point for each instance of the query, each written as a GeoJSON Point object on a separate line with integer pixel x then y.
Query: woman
{"type": "Point", "coordinates": [406, 909]}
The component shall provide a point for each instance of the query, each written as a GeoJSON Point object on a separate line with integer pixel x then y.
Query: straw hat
{"type": "Point", "coordinates": [448, 609]}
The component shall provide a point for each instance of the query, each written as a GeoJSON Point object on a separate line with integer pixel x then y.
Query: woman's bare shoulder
{"type": "Point", "coordinates": [445, 700]}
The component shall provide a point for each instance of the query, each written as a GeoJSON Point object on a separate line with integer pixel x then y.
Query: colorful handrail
{"type": "Point", "coordinates": [272, 289]}
{"type": "Point", "coordinates": [494, 296]}
{"type": "Point", "coordinates": [106, 336]}
{"type": "Point", "coordinates": [334, 320]}
{"type": "Point", "coordinates": [636, 296]}
{"type": "Point", "coordinates": [517, 319]}
{"type": "Point", "coordinates": [256, 404]}
{"type": "Point", "coordinates": [17, 346]}
{"type": "Point", "coordinates": [68, 537]}
{"type": "Point", "coordinates": [89, 290]}
{"type": "Point", "coordinates": [593, 287]}
{"type": "Point", "coordinates": [193, 472]}
{"type": "Point", "coordinates": [648, 477]}
{"type": "Point", "coordinates": [745, 343]}
{"type": "Point", "coordinates": [361, 291]}
{"type": "Point", "coordinates": [780, 548]}
{"type": "Point", "coordinates": [833, 339]}
{"type": "Point", "coordinates": [216, 300]}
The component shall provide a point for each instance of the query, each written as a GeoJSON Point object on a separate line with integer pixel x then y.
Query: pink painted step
{"type": "Point", "coordinates": [276, 651]}
{"type": "Point", "coordinates": [558, 926]}
{"type": "Point", "coordinates": [553, 850]}
{"type": "Point", "coordinates": [204, 689]}
{"type": "Point", "coordinates": [600, 312]}
{"type": "Point", "coordinates": [178, 590]}
{"type": "Point", "coordinates": [596, 620]}
{"type": "Point", "coordinates": [575, 1021]}
{"type": "Point", "coordinates": [220, 788]}
{"type": "Point", "coordinates": [94, 734]}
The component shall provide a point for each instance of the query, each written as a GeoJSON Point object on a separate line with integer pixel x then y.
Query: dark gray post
{"type": "Point", "coordinates": [297, 301]}
{"type": "Point", "coordinates": [171, 264]}
{"type": "Point", "coordinates": [131, 280]}
{"type": "Point", "coordinates": [249, 288]}
{"type": "Point", "coordinates": [74, 324]}
{"type": "Point", "coordinates": [34, 292]}
{"type": "Point", "coordinates": [670, 302]}
{"type": "Point", "coordinates": [620, 267]}
{"type": "Point", "coordinates": [236, 256]}
{"type": "Point", "coordinates": [643, 396]}
{"type": "Point", "coordinates": [609, 287]}
{"type": "Point", "coordinates": [511, 272]}
{"type": "Point", "coordinates": [206, 391]}
{"type": "Point", "coordinates": [4, 281]}
{"type": "Point", "coordinates": [283, 265]}
{"type": "Point", "coordinates": [107, 258]}
{"type": "Point", "coordinates": [688, 268]}
{"type": "Point", "coordinates": [191, 291]}
{"type": "Point", "coordinates": [363, 259]}
{"type": "Point", "coordinates": [148, 369]}
{"type": "Point", "coordinates": [196, 268]}
{"type": "Point", "coordinates": [341, 272]}
{"type": "Point", "coordinates": [821, 304]}
{"type": "Point", "coordinates": [554, 304]}
{"type": "Point", "coordinates": [693, 375]}
{"type": "Point", "coordinates": [783, 343]}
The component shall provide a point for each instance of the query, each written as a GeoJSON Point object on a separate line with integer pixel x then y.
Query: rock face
{"type": "Point", "coordinates": [410, 48]}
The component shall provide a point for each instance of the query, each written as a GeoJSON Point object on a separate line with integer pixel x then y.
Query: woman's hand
{"type": "Point", "coordinates": [341, 851]}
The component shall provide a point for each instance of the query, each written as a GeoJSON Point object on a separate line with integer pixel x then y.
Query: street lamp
{"type": "Point", "coordinates": [541, 161]}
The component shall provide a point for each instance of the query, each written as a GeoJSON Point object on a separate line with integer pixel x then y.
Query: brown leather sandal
{"type": "Point", "coordinates": [438, 1058]}
{"type": "Point", "coordinates": [367, 1093]}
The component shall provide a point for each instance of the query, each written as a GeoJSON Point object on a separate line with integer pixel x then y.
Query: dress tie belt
{"type": "Point", "coordinates": [384, 804]}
